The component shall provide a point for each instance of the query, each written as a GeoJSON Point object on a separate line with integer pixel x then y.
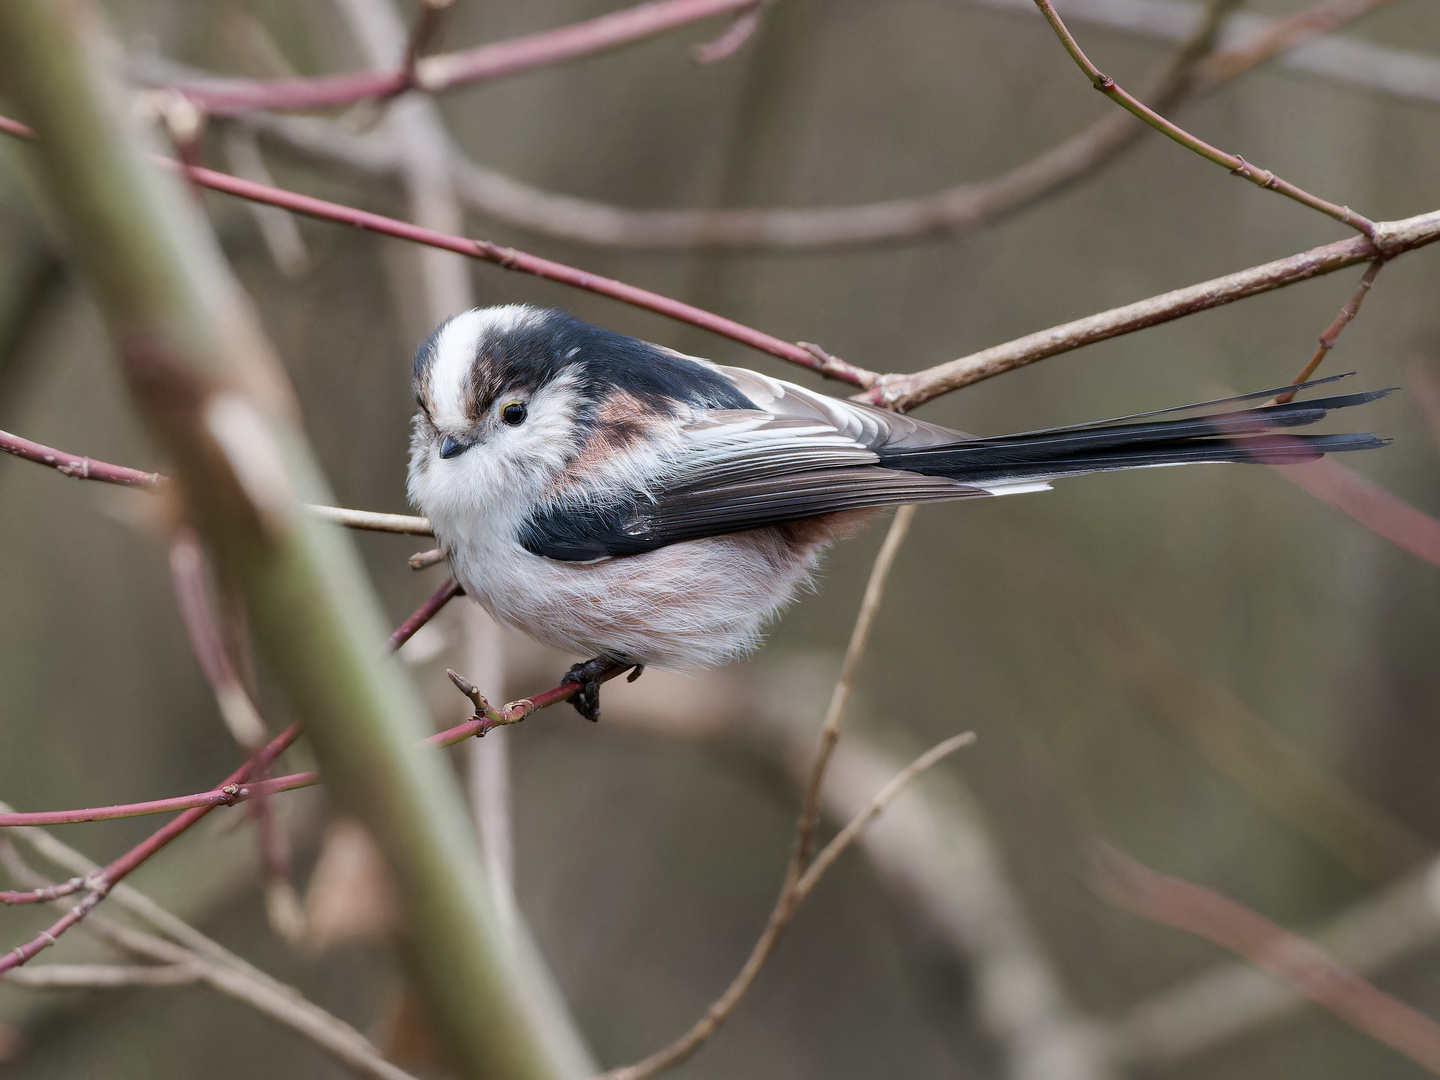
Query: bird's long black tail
{"type": "Point", "coordinates": [1254, 435]}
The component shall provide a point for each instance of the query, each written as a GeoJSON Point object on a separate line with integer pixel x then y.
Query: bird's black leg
{"type": "Point", "coordinates": [587, 699]}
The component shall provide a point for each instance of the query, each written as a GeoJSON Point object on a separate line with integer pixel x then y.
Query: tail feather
{"type": "Point", "coordinates": [1254, 395]}
{"type": "Point", "coordinates": [1245, 436]}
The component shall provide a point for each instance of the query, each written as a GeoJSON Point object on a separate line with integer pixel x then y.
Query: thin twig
{"type": "Point", "coordinates": [1236, 164]}
{"type": "Point", "coordinates": [103, 976]}
{"type": "Point", "coordinates": [230, 794]}
{"type": "Point", "coordinates": [895, 391]}
{"type": "Point", "coordinates": [1287, 956]}
{"type": "Point", "coordinates": [845, 683]}
{"type": "Point", "coordinates": [425, 612]}
{"type": "Point", "coordinates": [243, 783]}
{"type": "Point", "coordinates": [953, 210]}
{"type": "Point", "coordinates": [1233, 999]}
{"type": "Point", "coordinates": [1332, 332]}
{"type": "Point", "coordinates": [372, 520]}
{"type": "Point", "coordinates": [796, 872]}
{"type": "Point", "coordinates": [211, 962]}
{"type": "Point", "coordinates": [423, 560]}
{"type": "Point", "coordinates": [487, 717]}
{"type": "Point", "coordinates": [81, 468]}
{"type": "Point", "coordinates": [510, 259]}
{"type": "Point", "coordinates": [226, 795]}
{"type": "Point", "coordinates": [102, 881]}
{"type": "Point", "coordinates": [84, 468]}
{"type": "Point", "coordinates": [1384, 514]}
{"type": "Point", "coordinates": [909, 391]}
{"type": "Point", "coordinates": [427, 25]}
{"type": "Point", "coordinates": [1301, 41]}
{"type": "Point", "coordinates": [187, 572]}
{"type": "Point", "coordinates": [434, 74]}
{"type": "Point", "coordinates": [741, 30]}
{"type": "Point", "coordinates": [780, 918]}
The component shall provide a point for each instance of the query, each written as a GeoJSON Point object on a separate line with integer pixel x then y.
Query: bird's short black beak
{"type": "Point", "coordinates": [453, 447]}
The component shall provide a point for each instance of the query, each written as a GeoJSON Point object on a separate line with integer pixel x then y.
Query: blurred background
{"type": "Point", "coordinates": [1205, 667]}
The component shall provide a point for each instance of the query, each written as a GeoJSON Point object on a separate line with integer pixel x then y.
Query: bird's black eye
{"type": "Point", "coordinates": [514, 413]}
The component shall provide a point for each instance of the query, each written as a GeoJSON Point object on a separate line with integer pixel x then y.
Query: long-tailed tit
{"type": "Point", "coordinates": [617, 499]}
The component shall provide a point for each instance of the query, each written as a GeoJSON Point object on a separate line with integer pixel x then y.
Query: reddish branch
{"type": "Point", "coordinates": [227, 794]}
{"type": "Point", "coordinates": [511, 259]}
{"type": "Point", "coordinates": [1373, 507]}
{"type": "Point", "coordinates": [1332, 332]}
{"type": "Point", "coordinates": [96, 885]}
{"type": "Point", "coordinates": [246, 782]}
{"type": "Point", "coordinates": [442, 596]}
{"type": "Point", "coordinates": [236, 791]}
{"type": "Point", "coordinates": [1288, 957]}
{"type": "Point", "coordinates": [893, 391]}
{"type": "Point", "coordinates": [436, 73]}
{"type": "Point", "coordinates": [82, 468]}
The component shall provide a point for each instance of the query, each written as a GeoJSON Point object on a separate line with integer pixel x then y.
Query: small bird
{"type": "Point", "coordinates": [621, 500]}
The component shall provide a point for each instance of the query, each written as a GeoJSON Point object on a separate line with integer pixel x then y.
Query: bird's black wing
{"type": "Point", "coordinates": [729, 471]}
{"type": "Point", "coordinates": [801, 455]}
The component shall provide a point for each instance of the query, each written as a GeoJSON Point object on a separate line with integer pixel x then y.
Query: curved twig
{"type": "Point", "coordinates": [434, 74]}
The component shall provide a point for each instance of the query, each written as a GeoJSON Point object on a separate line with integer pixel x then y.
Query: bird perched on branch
{"type": "Point", "coordinates": [615, 498]}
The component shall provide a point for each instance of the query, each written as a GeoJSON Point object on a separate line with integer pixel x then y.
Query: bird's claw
{"type": "Point", "coordinates": [587, 674]}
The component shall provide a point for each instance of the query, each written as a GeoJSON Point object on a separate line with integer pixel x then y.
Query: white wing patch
{"type": "Point", "coordinates": [865, 424]}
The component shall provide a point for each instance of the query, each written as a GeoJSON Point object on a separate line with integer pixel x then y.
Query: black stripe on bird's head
{"type": "Point", "coordinates": [475, 358]}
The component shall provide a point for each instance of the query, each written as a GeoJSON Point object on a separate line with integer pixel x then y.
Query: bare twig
{"type": "Point", "coordinates": [1392, 237]}
{"type": "Point", "coordinates": [425, 612]}
{"type": "Point", "coordinates": [81, 468]}
{"type": "Point", "coordinates": [487, 717]}
{"type": "Point", "coordinates": [741, 30]}
{"type": "Point", "coordinates": [895, 391]}
{"type": "Point", "coordinates": [198, 955]}
{"type": "Point", "coordinates": [1349, 61]}
{"type": "Point", "coordinates": [1236, 164]}
{"type": "Point", "coordinates": [1287, 956]}
{"type": "Point", "coordinates": [372, 521]}
{"type": "Point", "coordinates": [422, 33]}
{"type": "Point", "coordinates": [796, 871]}
{"type": "Point", "coordinates": [229, 794]}
{"type": "Point", "coordinates": [845, 683]}
{"type": "Point", "coordinates": [277, 228]}
{"type": "Point", "coordinates": [1367, 839]}
{"type": "Point", "coordinates": [1232, 999]}
{"type": "Point", "coordinates": [103, 976]}
{"type": "Point", "coordinates": [235, 792]}
{"type": "Point", "coordinates": [423, 560]}
{"type": "Point", "coordinates": [98, 884]}
{"type": "Point", "coordinates": [951, 210]}
{"type": "Point", "coordinates": [187, 571]}
{"type": "Point", "coordinates": [781, 916]}
{"type": "Point", "coordinates": [84, 468]}
{"type": "Point", "coordinates": [434, 74]}
{"type": "Point", "coordinates": [246, 782]}
{"type": "Point", "coordinates": [510, 259]}
{"type": "Point", "coordinates": [1332, 332]}
{"type": "Point", "coordinates": [1370, 505]}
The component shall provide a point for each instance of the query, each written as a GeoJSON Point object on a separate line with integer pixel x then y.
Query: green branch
{"type": "Point", "coordinates": [215, 397]}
